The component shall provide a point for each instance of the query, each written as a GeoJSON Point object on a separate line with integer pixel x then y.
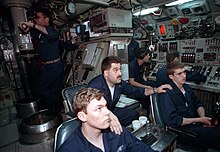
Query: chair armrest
{"type": "Point", "coordinates": [181, 131]}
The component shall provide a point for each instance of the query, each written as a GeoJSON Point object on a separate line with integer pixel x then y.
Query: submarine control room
{"type": "Point", "coordinates": [109, 75]}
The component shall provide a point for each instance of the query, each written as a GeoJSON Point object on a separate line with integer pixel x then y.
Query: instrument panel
{"type": "Point", "coordinates": [203, 51]}
{"type": "Point", "coordinates": [200, 55]}
{"type": "Point", "coordinates": [212, 72]}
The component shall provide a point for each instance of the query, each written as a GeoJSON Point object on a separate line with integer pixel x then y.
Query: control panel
{"type": "Point", "coordinates": [152, 75]}
{"type": "Point", "coordinates": [203, 51]}
{"type": "Point", "coordinates": [211, 71]}
{"type": "Point", "coordinates": [164, 47]}
{"type": "Point", "coordinates": [155, 136]}
{"type": "Point", "coordinates": [201, 55]}
{"type": "Point", "coordinates": [165, 30]}
{"type": "Point", "coordinates": [212, 83]}
{"type": "Point", "coordinates": [114, 21]}
{"type": "Point", "coordinates": [87, 62]}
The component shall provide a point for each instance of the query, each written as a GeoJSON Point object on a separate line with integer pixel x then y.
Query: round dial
{"type": "Point", "coordinates": [217, 20]}
{"type": "Point", "coordinates": [70, 8]}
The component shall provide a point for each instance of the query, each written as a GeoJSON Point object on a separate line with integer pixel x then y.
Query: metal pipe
{"type": "Point", "coordinates": [21, 41]}
{"type": "Point", "coordinates": [95, 2]}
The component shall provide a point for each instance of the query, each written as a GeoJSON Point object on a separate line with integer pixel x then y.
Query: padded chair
{"type": "Point", "coordinates": [64, 131]}
{"type": "Point", "coordinates": [157, 120]}
{"type": "Point", "coordinates": [68, 94]}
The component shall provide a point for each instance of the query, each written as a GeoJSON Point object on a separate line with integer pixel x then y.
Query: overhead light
{"type": "Point", "coordinates": [178, 2]}
{"type": "Point", "coordinates": [146, 11]}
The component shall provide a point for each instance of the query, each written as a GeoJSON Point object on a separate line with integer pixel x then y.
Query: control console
{"type": "Point", "coordinates": [212, 83]}
{"type": "Point", "coordinates": [201, 55]}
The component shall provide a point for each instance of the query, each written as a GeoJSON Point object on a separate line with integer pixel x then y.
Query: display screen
{"type": "Point", "coordinates": [199, 50]}
{"type": "Point", "coordinates": [80, 29]}
{"type": "Point", "coordinates": [86, 26]}
{"type": "Point", "coordinates": [162, 29]}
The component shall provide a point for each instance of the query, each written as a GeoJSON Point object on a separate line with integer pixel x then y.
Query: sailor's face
{"type": "Point", "coordinates": [97, 115]}
{"type": "Point", "coordinates": [113, 75]}
{"type": "Point", "coordinates": [179, 76]}
{"type": "Point", "coordinates": [40, 19]}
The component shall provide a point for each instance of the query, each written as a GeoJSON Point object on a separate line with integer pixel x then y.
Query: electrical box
{"type": "Point", "coordinates": [111, 20]}
{"type": "Point", "coordinates": [194, 8]}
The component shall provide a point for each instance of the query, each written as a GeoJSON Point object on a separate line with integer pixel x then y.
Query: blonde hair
{"type": "Point", "coordinates": [83, 97]}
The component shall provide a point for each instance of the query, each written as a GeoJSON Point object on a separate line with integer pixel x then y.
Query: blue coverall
{"type": "Point", "coordinates": [48, 85]}
{"type": "Point", "coordinates": [174, 106]}
{"type": "Point", "coordinates": [136, 71]}
{"type": "Point", "coordinates": [133, 46]}
{"type": "Point", "coordinates": [125, 142]}
{"type": "Point", "coordinates": [125, 115]}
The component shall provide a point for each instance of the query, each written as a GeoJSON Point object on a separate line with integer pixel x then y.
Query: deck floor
{"type": "Point", "coordinates": [46, 146]}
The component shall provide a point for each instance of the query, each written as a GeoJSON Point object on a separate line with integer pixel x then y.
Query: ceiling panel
{"type": "Point", "coordinates": [151, 3]}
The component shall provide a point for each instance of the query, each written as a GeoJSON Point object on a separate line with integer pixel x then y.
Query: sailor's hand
{"type": "Point", "coordinates": [115, 125]}
{"type": "Point", "coordinates": [205, 120]}
{"type": "Point", "coordinates": [162, 88]}
{"type": "Point", "coordinates": [25, 26]}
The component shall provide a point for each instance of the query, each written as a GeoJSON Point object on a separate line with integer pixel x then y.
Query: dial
{"type": "Point", "coordinates": [70, 8]}
{"type": "Point", "coordinates": [217, 20]}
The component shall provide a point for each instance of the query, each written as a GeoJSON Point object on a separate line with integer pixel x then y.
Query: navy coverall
{"type": "Point", "coordinates": [136, 71]}
{"type": "Point", "coordinates": [133, 46]}
{"type": "Point", "coordinates": [48, 85]}
{"type": "Point", "coordinates": [174, 106]}
{"type": "Point", "coordinates": [125, 115]}
{"type": "Point", "coordinates": [125, 142]}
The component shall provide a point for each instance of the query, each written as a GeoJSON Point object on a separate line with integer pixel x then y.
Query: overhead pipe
{"type": "Point", "coordinates": [95, 2]}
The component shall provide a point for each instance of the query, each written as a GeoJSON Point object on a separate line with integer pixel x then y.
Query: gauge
{"type": "Point", "coordinates": [70, 8]}
{"type": "Point", "coordinates": [217, 19]}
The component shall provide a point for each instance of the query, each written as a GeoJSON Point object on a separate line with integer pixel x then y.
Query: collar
{"type": "Point", "coordinates": [105, 85]}
{"type": "Point", "coordinates": [108, 136]}
{"type": "Point", "coordinates": [177, 90]}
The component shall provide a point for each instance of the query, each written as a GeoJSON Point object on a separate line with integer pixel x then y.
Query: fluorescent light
{"type": "Point", "coordinates": [178, 2]}
{"type": "Point", "coordinates": [146, 11]}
